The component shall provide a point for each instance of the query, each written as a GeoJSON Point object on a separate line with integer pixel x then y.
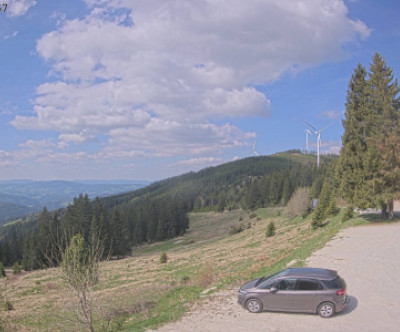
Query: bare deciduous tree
{"type": "Point", "coordinates": [299, 203]}
{"type": "Point", "coordinates": [80, 266]}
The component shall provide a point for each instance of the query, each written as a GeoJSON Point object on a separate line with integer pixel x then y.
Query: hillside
{"type": "Point", "coordinates": [228, 177]}
{"type": "Point", "coordinates": [12, 210]}
{"type": "Point", "coordinates": [139, 292]}
{"type": "Point", "coordinates": [160, 211]}
{"type": "Point", "coordinates": [21, 197]}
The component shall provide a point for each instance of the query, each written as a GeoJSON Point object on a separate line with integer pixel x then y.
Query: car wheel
{"type": "Point", "coordinates": [254, 305]}
{"type": "Point", "coordinates": [326, 309]}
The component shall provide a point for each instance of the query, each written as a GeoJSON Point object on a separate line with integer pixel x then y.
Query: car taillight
{"type": "Point", "coordinates": [341, 292]}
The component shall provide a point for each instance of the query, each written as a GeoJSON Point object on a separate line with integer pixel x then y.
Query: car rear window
{"type": "Point", "coordinates": [337, 283]}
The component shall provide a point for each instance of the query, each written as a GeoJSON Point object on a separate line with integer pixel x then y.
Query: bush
{"type": "Point", "coordinates": [163, 258]}
{"type": "Point", "coordinates": [299, 203]}
{"type": "Point", "coordinates": [348, 214]}
{"type": "Point", "coordinates": [206, 275]}
{"type": "Point", "coordinates": [235, 229]}
{"type": "Point", "coordinates": [316, 222]}
{"type": "Point", "coordinates": [185, 280]}
{"type": "Point", "coordinates": [16, 268]}
{"type": "Point", "coordinates": [7, 305]}
{"type": "Point", "coordinates": [239, 228]}
{"type": "Point", "coordinates": [2, 271]}
{"type": "Point", "coordinates": [270, 230]}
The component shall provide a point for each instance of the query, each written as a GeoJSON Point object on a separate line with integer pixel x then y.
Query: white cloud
{"type": "Point", "coordinates": [198, 162]}
{"type": "Point", "coordinates": [12, 35]}
{"type": "Point", "coordinates": [154, 76]}
{"type": "Point", "coordinates": [169, 138]}
{"type": "Point", "coordinates": [19, 7]}
{"type": "Point", "coordinates": [332, 114]}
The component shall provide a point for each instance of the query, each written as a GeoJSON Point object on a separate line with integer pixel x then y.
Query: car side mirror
{"type": "Point", "coordinates": [273, 290]}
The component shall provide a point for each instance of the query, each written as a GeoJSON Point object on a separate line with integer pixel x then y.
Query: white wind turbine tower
{"type": "Point", "coordinates": [308, 133]}
{"type": "Point", "coordinates": [318, 132]}
{"type": "Point", "coordinates": [253, 149]}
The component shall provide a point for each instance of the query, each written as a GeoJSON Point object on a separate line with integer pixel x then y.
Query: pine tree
{"type": "Point", "coordinates": [120, 245]}
{"type": "Point", "coordinates": [319, 214]}
{"type": "Point", "coordinates": [351, 163]}
{"type": "Point", "coordinates": [254, 196]}
{"type": "Point", "coordinates": [47, 240]}
{"type": "Point", "coordinates": [369, 165]}
{"type": "Point", "coordinates": [382, 91]}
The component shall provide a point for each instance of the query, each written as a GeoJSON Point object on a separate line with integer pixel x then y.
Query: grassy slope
{"type": "Point", "coordinates": [138, 292]}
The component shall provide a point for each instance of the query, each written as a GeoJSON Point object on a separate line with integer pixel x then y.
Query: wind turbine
{"type": "Point", "coordinates": [308, 132]}
{"type": "Point", "coordinates": [318, 132]}
{"type": "Point", "coordinates": [253, 149]}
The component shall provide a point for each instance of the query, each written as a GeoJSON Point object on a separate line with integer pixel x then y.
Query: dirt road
{"type": "Point", "coordinates": [368, 258]}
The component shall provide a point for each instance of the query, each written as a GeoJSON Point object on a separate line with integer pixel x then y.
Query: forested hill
{"type": "Point", "coordinates": [231, 182]}
{"type": "Point", "coordinates": [160, 210]}
{"type": "Point", "coordinates": [21, 197]}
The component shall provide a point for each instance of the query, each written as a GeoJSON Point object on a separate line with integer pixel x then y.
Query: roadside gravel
{"type": "Point", "coordinates": [367, 257]}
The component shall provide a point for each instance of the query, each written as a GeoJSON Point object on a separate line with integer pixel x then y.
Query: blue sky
{"type": "Point", "coordinates": [148, 89]}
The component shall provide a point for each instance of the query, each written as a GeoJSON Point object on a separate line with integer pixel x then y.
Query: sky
{"type": "Point", "coordinates": [149, 89]}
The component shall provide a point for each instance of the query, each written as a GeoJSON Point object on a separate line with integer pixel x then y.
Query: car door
{"type": "Point", "coordinates": [307, 294]}
{"type": "Point", "coordinates": [278, 297]}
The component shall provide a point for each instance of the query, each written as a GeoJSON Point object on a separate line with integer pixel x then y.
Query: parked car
{"type": "Point", "coordinates": [313, 290]}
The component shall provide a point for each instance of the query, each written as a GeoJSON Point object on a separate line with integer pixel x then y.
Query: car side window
{"type": "Point", "coordinates": [286, 284]}
{"type": "Point", "coordinates": [309, 284]}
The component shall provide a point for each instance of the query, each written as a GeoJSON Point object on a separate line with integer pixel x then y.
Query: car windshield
{"type": "Point", "coordinates": [264, 282]}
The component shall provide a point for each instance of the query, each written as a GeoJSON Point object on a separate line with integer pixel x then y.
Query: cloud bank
{"type": "Point", "coordinates": [157, 78]}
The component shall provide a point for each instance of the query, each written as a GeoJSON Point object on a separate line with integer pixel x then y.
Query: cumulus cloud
{"type": "Point", "coordinates": [19, 7]}
{"type": "Point", "coordinates": [155, 76]}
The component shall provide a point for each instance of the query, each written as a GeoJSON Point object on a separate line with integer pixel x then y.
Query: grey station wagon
{"type": "Point", "coordinates": [313, 290]}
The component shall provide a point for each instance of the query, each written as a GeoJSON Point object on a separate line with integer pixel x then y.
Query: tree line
{"type": "Point", "coordinates": [41, 245]}
{"type": "Point", "coordinates": [159, 211]}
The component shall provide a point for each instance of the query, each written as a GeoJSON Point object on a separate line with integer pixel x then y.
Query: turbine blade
{"type": "Point", "coordinates": [316, 130]}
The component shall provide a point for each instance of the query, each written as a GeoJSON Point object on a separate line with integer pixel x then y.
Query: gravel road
{"type": "Point", "coordinates": [367, 257]}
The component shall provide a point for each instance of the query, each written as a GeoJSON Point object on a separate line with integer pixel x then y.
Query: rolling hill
{"type": "Point", "coordinates": [21, 197]}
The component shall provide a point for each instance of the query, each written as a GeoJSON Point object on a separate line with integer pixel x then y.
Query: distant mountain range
{"type": "Point", "coordinates": [21, 197]}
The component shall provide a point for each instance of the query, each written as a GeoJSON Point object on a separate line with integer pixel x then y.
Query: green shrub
{"type": "Point", "coordinates": [270, 230]}
{"type": "Point", "coordinates": [315, 223]}
{"type": "Point", "coordinates": [7, 305]}
{"type": "Point", "coordinates": [239, 228]}
{"type": "Point", "coordinates": [348, 214]}
{"type": "Point", "coordinates": [163, 257]}
{"type": "Point", "coordinates": [185, 280]}
{"type": "Point", "coordinates": [2, 271]}
{"type": "Point", "coordinates": [17, 268]}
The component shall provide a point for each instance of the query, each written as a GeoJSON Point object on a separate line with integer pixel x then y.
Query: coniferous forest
{"type": "Point", "coordinates": [160, 210]}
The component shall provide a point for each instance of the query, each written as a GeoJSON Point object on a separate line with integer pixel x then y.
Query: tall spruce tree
{"type": "Point", "coordinates": [368, 167]}
{"type": "Point", "coordinates": [384, 158]}
{"type": "Point", "coordinates": [351, 163]}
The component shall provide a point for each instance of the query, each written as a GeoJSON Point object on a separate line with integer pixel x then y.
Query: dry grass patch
{"type": "Point", "coordinates": [136, 291]}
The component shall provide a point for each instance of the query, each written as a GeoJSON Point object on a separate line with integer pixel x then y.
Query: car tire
{"type": "Point", "coordinates": [326, 309]}
{"type": "Point", "coordinates": [254, 305]}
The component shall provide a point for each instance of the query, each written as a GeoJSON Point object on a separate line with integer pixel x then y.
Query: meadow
{"type": "Point", "coordinates": [140, 292]}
